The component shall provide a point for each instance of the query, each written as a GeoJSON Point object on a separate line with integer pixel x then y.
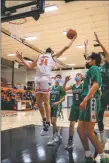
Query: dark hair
{"type": "Point", "coordinates": [96, 57]}
{"type": "Point", "coordinates": [49, 50]}
{"type": "Point", "coordinates": [59, 76]}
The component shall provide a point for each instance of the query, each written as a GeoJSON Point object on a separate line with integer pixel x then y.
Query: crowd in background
{"type": "Point", "coordinates": [10, 97]}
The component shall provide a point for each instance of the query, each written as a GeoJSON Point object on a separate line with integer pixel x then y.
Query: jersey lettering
{"type": "Point", "coordinates": [77, 97]}
{"type": "Point", "coordinates": [53, 97]}
{"type": "Point", "coordinates": [44, 62]}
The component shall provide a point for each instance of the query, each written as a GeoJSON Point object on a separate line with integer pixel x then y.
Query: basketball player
{"type": "Point", "coordinates": [57, 96]}
{"type": "Point", "coordinates": [44, 64]}
{"type": "Point", "coordinates": [60, 112]}
{"type": "Point", "coordinates": [74, 113]}
{"type": "Point", "coordinates": [104, 69]}
{"type": "Point", "coordinates": [90, 106]}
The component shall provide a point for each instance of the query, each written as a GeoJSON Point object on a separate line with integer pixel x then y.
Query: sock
{"type": "Point", "coordinates": [71, 138]}
{"type": "Point", "coordinates": [88, 153]}
{"type": "Point", "coordinates": [44, 121]}
{"type": "Point", "coordinates": [102, 155]}
{"type": "Point", "coordinates": [102, 137]}
{"type": "Point", "coordinates": [48, 123]}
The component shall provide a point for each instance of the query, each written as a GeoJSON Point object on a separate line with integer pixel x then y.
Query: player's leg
{"type": "Point", "coordinates": [83, 137]}
{"type": "Point", "coordinates": [46, 99]}
{"type": "Point", "coordinates": [62, 114]}
{"type": "Point", "coordinates": [89, 131]}
{"type": "Point", "coordinates": [74, 115]}
{"type": "Point", "coordinates": [104, 102]}
{"type": "Point", "coordinates": [39, 102]}
{"type": "Point", "coordinates": [71, 133]}
{"type": "Point", "coordinates": [55, 137]}
{"type": "Point", "coordinates": [55, 130]}
{"type": "Point", "coordinates": [45, 90]}
{"type": "Point", "coordinates": [90, 118]}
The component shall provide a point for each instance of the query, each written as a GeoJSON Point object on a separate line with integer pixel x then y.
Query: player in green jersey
{"type": "Point", "coordinates": [57, 96]}
{"type": "Point", "coordinates": [75, 110]}
{"type": "Point", "coordinates": [90, 107]}
{"type": "Point", "coordinates": [104, 69]}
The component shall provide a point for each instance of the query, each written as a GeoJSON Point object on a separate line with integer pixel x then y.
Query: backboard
{"type": "Point", "coordinates": [12, 10]}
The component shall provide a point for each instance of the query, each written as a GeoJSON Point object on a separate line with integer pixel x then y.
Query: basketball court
{"type": "Point", "coordinates": [30, 27]}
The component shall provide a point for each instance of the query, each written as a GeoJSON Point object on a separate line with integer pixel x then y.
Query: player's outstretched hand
{"type": "Point", "coordinates": [97, 39]}
{"type": "Point", "coordinates": [19, 55]}
{"type": "Point", "coordinates": [67, 78]}
{"type": "Point", "coordinates": [86, 43]}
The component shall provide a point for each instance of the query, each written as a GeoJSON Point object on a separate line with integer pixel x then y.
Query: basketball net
{"type": "Point", "coordinates": [16, 27]}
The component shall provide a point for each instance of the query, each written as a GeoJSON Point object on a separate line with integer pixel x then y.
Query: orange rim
{"type": "Point", "coordinates": [24, 21]}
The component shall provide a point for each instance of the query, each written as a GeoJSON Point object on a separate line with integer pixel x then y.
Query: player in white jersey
{"type": "Point", "coordinates": [44, 64]}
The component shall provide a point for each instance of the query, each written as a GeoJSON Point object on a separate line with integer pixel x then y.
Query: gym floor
{"type": "Point", "coordinates": [21, 141]}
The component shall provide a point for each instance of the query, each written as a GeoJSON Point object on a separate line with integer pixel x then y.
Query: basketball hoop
{"type": "Point", "coordinates": [15, 27]}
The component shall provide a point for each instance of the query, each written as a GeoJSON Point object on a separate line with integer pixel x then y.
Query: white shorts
{"type": "Point", "coordinates": [43, 84]}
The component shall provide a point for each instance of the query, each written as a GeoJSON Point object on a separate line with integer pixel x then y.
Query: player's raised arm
{"type": "Point", "coordinates": [72, 35]}
{"type": "Point", "coordinates": [64, 88]}
{"type": "Point", "coordinates": [28, 65]}
{"type": "Point", "coordinates": [103, 48]}
{"type": "Point", "coordinates": [86, 50]}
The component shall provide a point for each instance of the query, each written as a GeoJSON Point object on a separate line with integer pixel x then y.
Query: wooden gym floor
{"type": "Point", "coordinates": [22, 143]}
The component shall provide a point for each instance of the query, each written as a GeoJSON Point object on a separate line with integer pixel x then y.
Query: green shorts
{"type": "Point", "coordinates": [74, 112]}
{"type": "Point", "coordinates": [55, 111]}
{"type": "Point", "coordinates": [104, 99]}
{"type": "Point", "coordinates": [90, 114]}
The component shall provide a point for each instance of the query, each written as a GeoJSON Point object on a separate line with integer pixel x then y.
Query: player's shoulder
{"type": "Point", "coordinates": [94, 68]}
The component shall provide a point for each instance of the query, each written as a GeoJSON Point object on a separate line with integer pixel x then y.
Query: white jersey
{"type": "Point", "coordinates": [45, 63]}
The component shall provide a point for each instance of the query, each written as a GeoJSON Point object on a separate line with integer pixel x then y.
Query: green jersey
{"type": "Point", "coordinates": [56, 94]}
{"type": "Point", "coordinates": [92, 75]}
{"type": "Point", "coordinates": [104, 69]}
{"type": "Point", "coordinates": [77, 93]}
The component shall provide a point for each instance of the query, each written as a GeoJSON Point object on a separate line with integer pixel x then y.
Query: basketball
{"type": "Point", "coordinates": [71, 33]}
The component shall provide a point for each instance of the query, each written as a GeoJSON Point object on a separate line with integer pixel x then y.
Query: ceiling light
{"type": "Point", "coordinates": [70, 64]}
{"type": "Point", "coordinates": [51, 8]}
{"type": "Point", "coordinates": [65, 32]}
{"type": "Point", "coordinates": [80, 46]}
{"type": "Point", "coordinates": [62, 58]}
{"type": "Point", "coordinates": [11, 54]}
{"type": "Point", "coordinates": [30, 38]}
{"type": "Point", "coordinates": [27, 61]}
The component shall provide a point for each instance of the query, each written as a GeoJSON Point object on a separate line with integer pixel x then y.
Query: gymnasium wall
{"type": "Point", "coordinates": [64, 73]}
{"type": "Point", "coordinates": [21, 75]}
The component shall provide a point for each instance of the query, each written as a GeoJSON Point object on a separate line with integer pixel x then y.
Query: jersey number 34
{"type": "Point", "coordinates": [44, 62]}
